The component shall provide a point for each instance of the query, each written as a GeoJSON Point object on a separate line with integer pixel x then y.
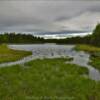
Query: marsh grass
{"type": "Point", "coordinates": [8, 55]}
{"type": "Point", "coordinates": [95, 62]}
{"type": "Point", "coordinates": [87, 48]}
{"type": "Point", "coordinates": [47, 79]}
{"type": "Point", "coordinates": [94, 52]}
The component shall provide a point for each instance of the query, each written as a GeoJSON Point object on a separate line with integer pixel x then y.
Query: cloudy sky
{"type": "Point", "coordinates": [48, 15]}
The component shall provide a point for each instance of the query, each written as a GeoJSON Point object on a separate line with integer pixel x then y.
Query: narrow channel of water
{"type": "Point", "coordinates": [53, 51]}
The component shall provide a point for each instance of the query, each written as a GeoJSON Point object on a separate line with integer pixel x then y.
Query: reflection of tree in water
{"type": "Point", "coordinates": [52, 54]}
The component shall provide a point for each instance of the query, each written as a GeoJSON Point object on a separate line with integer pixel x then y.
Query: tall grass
{"type": "Point", "coordinates": [48, 79]}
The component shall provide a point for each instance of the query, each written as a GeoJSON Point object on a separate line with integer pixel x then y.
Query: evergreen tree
{"type": "Point", "coordinates": [95, 39]}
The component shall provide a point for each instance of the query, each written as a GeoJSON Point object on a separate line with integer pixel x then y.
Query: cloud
{"type": "Point", "coordinates": [46, 15]}
{"type": "Point", "coordinates": [86, 21]}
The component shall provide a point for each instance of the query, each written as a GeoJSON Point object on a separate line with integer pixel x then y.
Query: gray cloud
{"type": "Point", "coordinates": [46, 15]}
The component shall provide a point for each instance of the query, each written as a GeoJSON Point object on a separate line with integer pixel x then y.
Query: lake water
{"type": "Point", "coordinates": [53, 51]}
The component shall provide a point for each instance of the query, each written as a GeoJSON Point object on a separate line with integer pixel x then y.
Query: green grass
{"type": "Point", "coordinates": [94, 52]}
{"type": "Point", "coordinates": [48, 79]}
{"type": "Point", "coordinates": [8, 55]}
{"type": "Point", "coordinates": [87, 48]}
{"type": "Point", "coordinates": [95, 62]}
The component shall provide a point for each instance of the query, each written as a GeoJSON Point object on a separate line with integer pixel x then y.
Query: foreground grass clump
{"type": "Point", "coordinates": [95, 62]}
{"type": "Point", "coordinates": [48, 79]}
{"type": "Point", "coordinates": [87, 48]}
{"type": "Point", "coordinates": [8, 55]}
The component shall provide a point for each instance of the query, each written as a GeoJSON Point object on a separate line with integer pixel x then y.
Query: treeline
{"type": "Point", "coordinates": [19, 38]}
{"type": "Point", "coordinates": [72, 40]}
{"type": "Point", "coordinates": [93, 39]}
{"type": "Point", "coordinates": [27, 38]}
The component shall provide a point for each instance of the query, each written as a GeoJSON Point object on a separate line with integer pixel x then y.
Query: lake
{"type": "Point", "coordinates": [40, 51]}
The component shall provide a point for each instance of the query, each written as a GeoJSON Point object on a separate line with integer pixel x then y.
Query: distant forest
{"type": "Point", "coordinates": [11, 38]}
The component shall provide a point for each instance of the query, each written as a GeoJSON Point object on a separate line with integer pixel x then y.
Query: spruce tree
{"type": "Point", "coordinates": [96, 36]}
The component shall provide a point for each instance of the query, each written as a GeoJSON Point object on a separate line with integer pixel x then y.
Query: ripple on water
{"type": "Point", "coordinates": [52, 51]}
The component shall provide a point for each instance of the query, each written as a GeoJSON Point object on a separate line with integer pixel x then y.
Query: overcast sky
{"type": "Point", "coordinates": [48, 15]}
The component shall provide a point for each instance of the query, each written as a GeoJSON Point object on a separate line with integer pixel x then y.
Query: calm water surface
{"type": "Point", "coordinates": [53, 51]}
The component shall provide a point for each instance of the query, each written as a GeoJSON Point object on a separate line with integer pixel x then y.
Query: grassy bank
{"type": "Point", "coordinates": [48, 79]}
{"type": "Point", "coordinates": [8, 55]}
{"type": "Point", "coordinates": [94, 52]}
{"type": "Point", "coordinates": [95, 62]}
{"type": "Point", "coordinates": [87, 48]}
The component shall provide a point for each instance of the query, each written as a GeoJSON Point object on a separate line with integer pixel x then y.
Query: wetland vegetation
{"type": "Point", "coordinates": [8, 55]}
{"type": "Point", "coordinates": [94, 52]}
{"type": "Point", "coordinates": [49, 79]}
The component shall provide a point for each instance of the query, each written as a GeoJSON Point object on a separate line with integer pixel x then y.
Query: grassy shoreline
{"type": "Point", "coordinates": [9, 55]}
{"type": "Point", "coordinates": [87, 48]}
{"type": "Point", "coordinates": [94, 52]}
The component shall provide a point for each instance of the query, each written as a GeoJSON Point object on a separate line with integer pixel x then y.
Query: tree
{"type": "Point", "coordinates": [95, 39]}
